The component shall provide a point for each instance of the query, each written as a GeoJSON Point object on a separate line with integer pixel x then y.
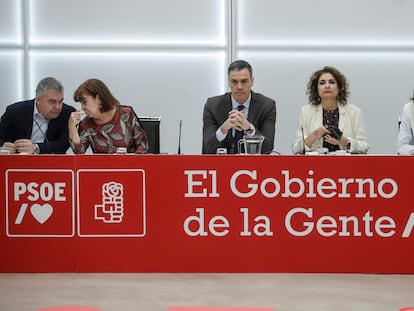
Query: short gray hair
{"type": "Point", "coordinates": [48, 83]}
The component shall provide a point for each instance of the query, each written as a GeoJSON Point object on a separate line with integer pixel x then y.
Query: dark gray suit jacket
{"type": "Point", "coordinates": [262, 114]}
{"type": "Point", "coordinates": [17, 123]}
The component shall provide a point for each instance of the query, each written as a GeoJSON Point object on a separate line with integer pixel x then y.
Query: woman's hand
{"type": "Point", "coordinates": [75, 118]}
{"type": "Point", "coordinates": [320, 132]}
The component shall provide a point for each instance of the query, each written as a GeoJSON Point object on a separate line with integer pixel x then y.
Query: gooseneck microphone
{"type": "Point", "coordinates": [303, 140]}
{"type": "Point", "coordinates": [179, 137]}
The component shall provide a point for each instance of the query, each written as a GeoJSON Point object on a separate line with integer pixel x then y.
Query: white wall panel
{"type": "Point", "coordinates": [171, 85]}
{"type": "Point", "coordinates": [11, 78]}
{"type": "Point", "coordinates": [370, 41]}
{"type": "Point", "coordinates": [10, 22]}
{"type": "Point", "coordinates": [127, 22]}
{"type": "Point", "coordinates": [331, 23]}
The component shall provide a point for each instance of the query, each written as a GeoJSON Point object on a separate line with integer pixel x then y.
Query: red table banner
{"type": "Point", "coordinates": [207, 213]}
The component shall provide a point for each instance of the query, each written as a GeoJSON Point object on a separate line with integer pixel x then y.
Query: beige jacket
{"type": "Point", "coordinates": [350, 123]}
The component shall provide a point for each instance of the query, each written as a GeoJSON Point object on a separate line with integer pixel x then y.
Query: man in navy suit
{"type": "Point", "coordinates": [39, 125]}
{"type": "Point", "coordinates": [240, 110]}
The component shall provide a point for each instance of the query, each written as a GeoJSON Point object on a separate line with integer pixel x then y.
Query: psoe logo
{"type": "Point", "coordinates": [40, 203]}
{"type": "Point", "coordinates": [111, 202]}
{"type": "Point", "coordinates": [111, 209]}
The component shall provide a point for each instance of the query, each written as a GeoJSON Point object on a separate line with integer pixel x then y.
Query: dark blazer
{"type": "Point", "coordinates": [17, 123]}
{"type": "Point", "coordinates": [262, 114]}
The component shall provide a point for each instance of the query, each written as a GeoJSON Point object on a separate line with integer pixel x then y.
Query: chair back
{"type": "Point", "coordinates": [151, 126]}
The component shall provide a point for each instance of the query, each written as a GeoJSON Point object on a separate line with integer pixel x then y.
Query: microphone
{"type": "Point", "coordinates": [179, 137]}
{"type": "Point", "coordinates": [303, 140]}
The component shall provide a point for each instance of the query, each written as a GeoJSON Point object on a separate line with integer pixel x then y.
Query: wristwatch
{"type": "Point", "coordinates": [36, 149]}
{"type": "Point", "coordinates": [250, 130]}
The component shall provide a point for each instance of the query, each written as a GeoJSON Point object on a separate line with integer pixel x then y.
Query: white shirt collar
{"type": "Point", "coordinates": [246, 104]}
{"type": "Point", "coordinates": [36, 114]}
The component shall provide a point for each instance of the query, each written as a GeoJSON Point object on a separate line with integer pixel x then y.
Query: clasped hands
{"type": "Point", "coordinates": [330, 134]}
{"type": "Point", "coordinates": [20, 146]}
{"type": "Point", "coordinates": [237, 120]}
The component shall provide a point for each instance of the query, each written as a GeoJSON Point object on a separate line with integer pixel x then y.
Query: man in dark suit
{"type": "Point", "coordinates": [239, 112]}
{"type": "Point", "coordinates": [39, 125]}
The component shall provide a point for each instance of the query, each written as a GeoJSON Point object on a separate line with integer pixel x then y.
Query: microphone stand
{"type": "Point", "coordinates": [179, 138]}
{"type": "Point", "coordinates": [303, 140]}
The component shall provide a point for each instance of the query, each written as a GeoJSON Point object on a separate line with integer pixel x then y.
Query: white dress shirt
{"type": "Point", "coordinates": [40, 125]}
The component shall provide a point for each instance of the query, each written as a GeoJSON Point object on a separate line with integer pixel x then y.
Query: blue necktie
{"type": "Point", "coordinates": [238, 134]}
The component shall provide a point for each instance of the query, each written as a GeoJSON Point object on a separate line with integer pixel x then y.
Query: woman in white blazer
{"type": "Point", "coordinates": [329, 121]}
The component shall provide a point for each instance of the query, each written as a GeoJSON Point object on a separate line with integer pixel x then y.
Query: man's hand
{"type": "Point", "coordinates": [237, 120]}
{"type": "Point", "coordinates": [9, 146]}
{"type": "Point", "coordinates": [24, 146]}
